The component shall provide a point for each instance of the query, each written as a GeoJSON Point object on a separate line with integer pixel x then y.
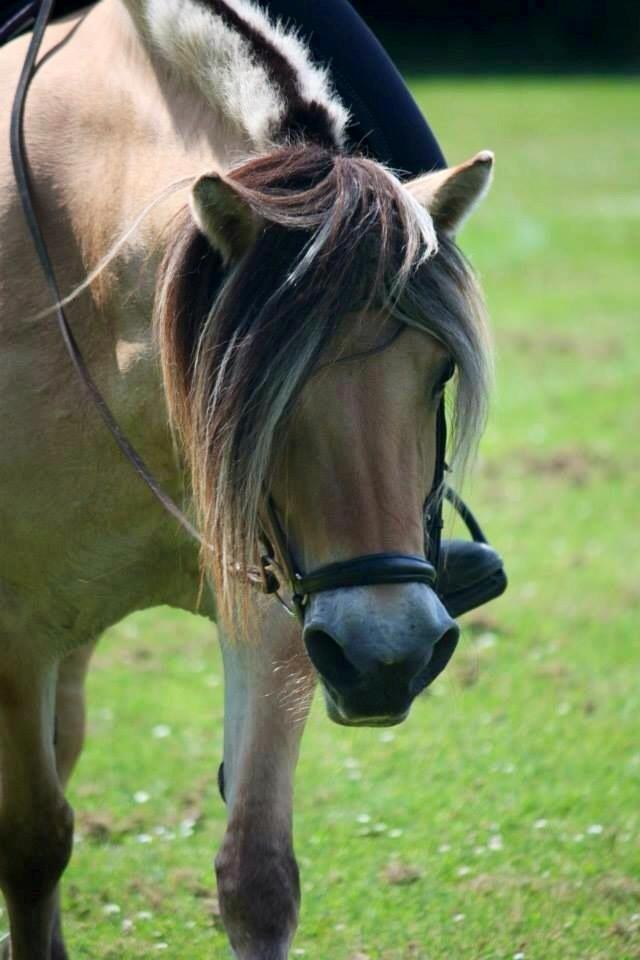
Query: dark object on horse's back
{"type": "Point", "coordinates": [18, 16]}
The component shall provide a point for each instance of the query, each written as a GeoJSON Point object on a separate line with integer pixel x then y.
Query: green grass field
{"type": "Point", "coordinates": [502, 820]}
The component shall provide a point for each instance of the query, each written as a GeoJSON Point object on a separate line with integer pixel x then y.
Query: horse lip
{"type": "Point", "coordinates": [373, 721]}
{"type": "Point", "coordinates": [337, 714]}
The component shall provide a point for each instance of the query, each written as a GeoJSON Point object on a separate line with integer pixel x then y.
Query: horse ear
{"type": "Point", "coordinates": [450, 195]}
{"type": "Point", "coordinates": [223, 216]}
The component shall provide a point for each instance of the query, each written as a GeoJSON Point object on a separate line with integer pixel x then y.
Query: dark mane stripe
{"type": "Point", "coordinates": [303, 118]}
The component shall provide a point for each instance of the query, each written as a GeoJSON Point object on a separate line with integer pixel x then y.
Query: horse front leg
{"type": "Point", "coordinates": [36, 823]}
{"type": "Point", "coordinates": [268, 690]}
{"type": "Point", "coordinates": [69, 740]}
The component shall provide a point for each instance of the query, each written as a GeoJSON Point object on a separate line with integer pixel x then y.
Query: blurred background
{"type": "Point", "coordinates": [500, 36]}
{"type": "Point", "coordinates": [462, 37]}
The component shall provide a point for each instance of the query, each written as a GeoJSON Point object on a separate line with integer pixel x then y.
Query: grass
{"type": "Point", "coordinates": [502, 819]}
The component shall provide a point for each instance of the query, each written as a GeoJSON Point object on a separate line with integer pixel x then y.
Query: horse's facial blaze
{"type": "Point", "coordinates": [352, 480]}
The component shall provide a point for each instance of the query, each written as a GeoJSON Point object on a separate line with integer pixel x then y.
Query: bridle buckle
{"type": "Point", "coordinates": [269, 582]}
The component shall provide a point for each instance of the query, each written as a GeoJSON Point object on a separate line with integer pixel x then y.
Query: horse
{"type": "Point", "coordinates": [273, 334]}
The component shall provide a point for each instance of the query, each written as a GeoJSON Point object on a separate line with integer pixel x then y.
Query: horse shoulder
{"type": "Point", "coordinates": [84, 543]}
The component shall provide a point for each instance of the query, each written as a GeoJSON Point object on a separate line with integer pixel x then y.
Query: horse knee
{"type": "Point", "coordinates": [35, 848]}
{"type": "Point", "coordinates": [259, 894]}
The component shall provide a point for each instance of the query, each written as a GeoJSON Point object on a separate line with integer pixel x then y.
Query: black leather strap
{"type": "Point", "coordinates": [365, 571]}
{"type": "Point", "coordinates": [466, 514]}
{"type": "Point", "coordinates": [20, 167]}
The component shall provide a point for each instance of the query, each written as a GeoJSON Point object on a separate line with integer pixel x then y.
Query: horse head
{"type": "Point", "coordinates": [305, 370]}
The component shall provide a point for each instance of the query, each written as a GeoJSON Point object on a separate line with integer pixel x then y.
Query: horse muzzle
{"type": "Point", "coordinates": [376, 648]}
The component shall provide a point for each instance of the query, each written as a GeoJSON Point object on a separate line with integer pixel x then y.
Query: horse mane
{"type": "Point", "coordinates": [257, 73]}
{"type": "Point", "coordinates": [340, 236]}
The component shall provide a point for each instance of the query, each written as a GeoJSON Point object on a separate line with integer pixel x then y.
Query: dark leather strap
{"type": "Point", "coordinates": [20, 167]}
{"type": "Point", "coordinates": [466, 514]}
{"type": "Point", "coordinates": [365, 571]}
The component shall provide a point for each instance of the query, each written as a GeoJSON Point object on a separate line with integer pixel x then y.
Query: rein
{"type": "Point", "coordinates": [479, 571]}
{"type": "Point", "coordinates": [20, 168]}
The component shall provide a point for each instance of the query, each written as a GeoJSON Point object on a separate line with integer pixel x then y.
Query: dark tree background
{"type": "Point", "coordinates": [500, 35]}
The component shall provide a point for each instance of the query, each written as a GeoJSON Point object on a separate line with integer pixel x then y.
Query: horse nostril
{"type": "Point", "coordinates": [442, 653]}
{"type": "Point", "coordinates": [329, 659]}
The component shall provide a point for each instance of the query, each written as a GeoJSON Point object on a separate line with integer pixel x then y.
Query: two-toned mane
{"type": "Point", "coordinates": [274, 335]}
{"type": "Point", "coordinates": [258, 73]}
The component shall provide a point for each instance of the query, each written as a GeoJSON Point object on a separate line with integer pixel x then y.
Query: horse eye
{"type": "Point", "coordinates": [444, 377]}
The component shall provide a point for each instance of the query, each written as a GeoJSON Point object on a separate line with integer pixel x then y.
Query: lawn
{"type": "Point", "coordinates": [502, 820]}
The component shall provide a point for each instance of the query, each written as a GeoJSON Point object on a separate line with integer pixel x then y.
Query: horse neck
{"type": "Point", "coordinates": [106, 131]}
{"type": "Point", "coordinates": [136, 130]}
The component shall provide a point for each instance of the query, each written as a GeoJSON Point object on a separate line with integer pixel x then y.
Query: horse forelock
{"type": "Point", "coordinates": [341, 236]}
{"type": "Point", "coordinates": [258, 73]}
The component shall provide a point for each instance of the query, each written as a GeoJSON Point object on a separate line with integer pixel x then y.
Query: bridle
{"type": "Point", "coordinates": [277, 567]}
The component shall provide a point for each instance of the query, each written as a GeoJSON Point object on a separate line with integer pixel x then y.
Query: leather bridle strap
{"type": "Point", "coordinates": [20, 167]}
{"type": "Point", "coordinates": [368, 570]}
{"type": "Point", "coordinates": [433, 511]}
{"type": "Point", "coordinates": [373, 569]}
{"type": "Point", "coordinates": [472, 525]}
